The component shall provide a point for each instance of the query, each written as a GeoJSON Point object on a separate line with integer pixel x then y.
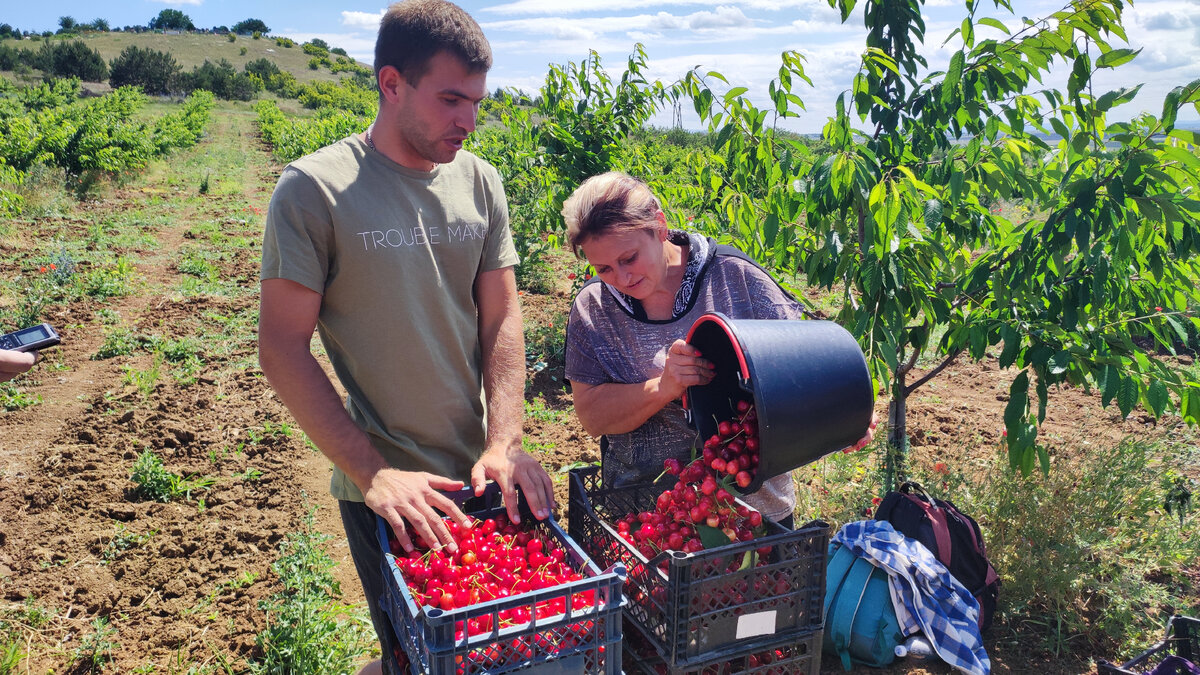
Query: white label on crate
{"type": "Point", "coordinates": [753, 625]}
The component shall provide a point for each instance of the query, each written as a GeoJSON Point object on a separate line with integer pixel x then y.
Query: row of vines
{"type": "Point", "coordinates": [51, 125]}
{"type": "Point", "coordinates": [894, 206]}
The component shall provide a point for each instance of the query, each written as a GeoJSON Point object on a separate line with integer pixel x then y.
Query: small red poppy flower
{"type": "Point", "coordinates": [52, 266]}
{"type": "Point", "coordinates": [43, 268]}
{"type": "Point", "coordinates": [571, 275]}
{"type": "Point", "coordinates": [875, 501]}
{"type": "Point", "coordinates": [940, 467]}
{"type": "Point", "coordinates": [1004, 434]}
{"type": "Point", "coordinates": [1158, 309]}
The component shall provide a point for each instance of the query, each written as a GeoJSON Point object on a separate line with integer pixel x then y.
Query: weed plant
{"type": "Point", "coordinates": [156, 483]}
{"type": "Point", "coordinates": [118, 341]}
{"type": "Point", "coordinates": [145, 381]}
{"type": "Point", "coordinates": [537, 411]}
{"type": "Point", "coordinates": [14, 398]}
{"type": "Point", "coordinates": [110, 282]}
{"type": "Point", "coordinates": [95, 648]}
{"type": "Point", "coordinates": [308, 629]}
{"type": "Point", "coordinates": [124, 540]}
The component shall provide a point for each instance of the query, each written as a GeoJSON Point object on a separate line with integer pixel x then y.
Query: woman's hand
{"type": "Point", "coordinates": [684, 368]}
{"type": "Point", "coordinates": [867, 437]}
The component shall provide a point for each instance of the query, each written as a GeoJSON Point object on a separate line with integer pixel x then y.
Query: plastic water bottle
{"type": "Point", "coordinates": [916, 647]}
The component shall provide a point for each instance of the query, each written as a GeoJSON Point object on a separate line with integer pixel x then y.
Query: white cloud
{"type": "Point", "coordinates": [640, 36]}
{"type": "Point", "coordinates": [578, 6]}
{"type": "Point", "coordinates": [1167, 21]}
{"type": "Point", "coordinates": [365, 20]}
{"type": "Point", "coordinates": [724, 17]}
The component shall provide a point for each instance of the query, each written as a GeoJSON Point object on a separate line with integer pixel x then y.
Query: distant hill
{"type": "Point", "coordinates": [191, 49]}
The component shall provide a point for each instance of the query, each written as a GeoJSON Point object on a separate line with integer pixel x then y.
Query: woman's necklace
{"type": "Point", "coordinates": [370, 143]}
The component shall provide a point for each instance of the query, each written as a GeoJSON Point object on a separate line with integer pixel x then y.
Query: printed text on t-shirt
{"type": "Point", "coordinates": [420, 236]}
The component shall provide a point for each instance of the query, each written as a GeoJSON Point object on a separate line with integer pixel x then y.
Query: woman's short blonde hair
{"type": "Point", "coordinates": [606, 204]}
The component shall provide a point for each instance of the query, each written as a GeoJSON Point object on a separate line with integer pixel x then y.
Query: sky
{"type": "Point", "coordinates": [741, 39]}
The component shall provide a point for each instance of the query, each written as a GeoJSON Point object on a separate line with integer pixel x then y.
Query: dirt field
{"type": "Point", "coordinates": [187, 591]}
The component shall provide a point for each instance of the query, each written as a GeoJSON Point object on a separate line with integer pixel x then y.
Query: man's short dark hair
{"type": "Point", "coordinates": [413, 31]}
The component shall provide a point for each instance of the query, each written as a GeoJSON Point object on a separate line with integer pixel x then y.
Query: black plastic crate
{"type": "Point", "coordinates": [579, 641]}
{"type": "Point", "coordinates": [779, 657]}
{"type": "Point", "coordinates": [695, 606]}
{"type": "Point", "coordinates": [1182, 640]}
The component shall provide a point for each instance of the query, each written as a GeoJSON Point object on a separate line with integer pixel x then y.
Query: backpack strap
{"type": "Point", "coordinates": [941, 531]}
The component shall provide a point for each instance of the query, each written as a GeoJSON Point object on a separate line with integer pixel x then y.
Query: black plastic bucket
{"type": "Point", "coordinates": [807, 379]}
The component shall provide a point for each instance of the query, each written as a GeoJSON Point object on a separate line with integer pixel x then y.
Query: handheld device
{"type": "Point", "coordinates": [30, 339]}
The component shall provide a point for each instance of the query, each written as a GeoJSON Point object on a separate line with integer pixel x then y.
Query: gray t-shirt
{"type": "Point", "coordinates": [606, 342]}
{"type": "Point", "coordinates": [395, 253]}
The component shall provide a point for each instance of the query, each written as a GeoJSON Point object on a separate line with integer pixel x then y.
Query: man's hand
{"type": "Point", "coordinates": [511, 468]}
{"type": "Point", "coordinates": [412, 496]}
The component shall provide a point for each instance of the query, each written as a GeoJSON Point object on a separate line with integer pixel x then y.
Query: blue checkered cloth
{"type": "Point", "coordinates": [927, 598]}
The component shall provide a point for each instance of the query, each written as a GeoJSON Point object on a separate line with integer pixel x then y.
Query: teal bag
{"type": "Point", "coordinates": [860, 622]}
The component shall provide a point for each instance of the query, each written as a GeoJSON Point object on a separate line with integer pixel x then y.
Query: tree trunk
{"type": "Point", "coordinates": [896, 455]}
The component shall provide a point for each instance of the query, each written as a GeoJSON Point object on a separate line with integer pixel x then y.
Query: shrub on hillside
{"type": "Point", "coordinates": [9, 57]}
{"type": "Point", "coordinates": [151, 70]}
{"type": "Point", "coordinates": [251, 26]}
{"type": "Point", "coordinates": [71, 59]}
{"type": "Point", "coordinates": [172, 19]}
{"type": "Point", "coordinates": [219, 78]}
{"type": "Point", "coordinates": [316, 50]}
{"type": "Point", "coordinates": [264, 68]}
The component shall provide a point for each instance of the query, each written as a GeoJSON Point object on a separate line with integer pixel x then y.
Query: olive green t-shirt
{"type": "Point", "coordinates": [395, 253]}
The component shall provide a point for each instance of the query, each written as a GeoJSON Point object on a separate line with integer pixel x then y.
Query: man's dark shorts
{"type": "Point", "coordinates": [359, 522]}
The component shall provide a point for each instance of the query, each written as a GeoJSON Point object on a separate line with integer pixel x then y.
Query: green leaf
{"type": "Point", "coordinates": [711, 537]}
{"type": "Point", "coordinates": [953, 76]}
{"type": "Point", "coordinates": [1018, 402]}
{"type": "Point", "coordinates": [933, 213]}
{"type": "Point", "coordinates": [770, 230]}
{"type": "Point", "coordinates": [735, 92]}
{"type": "Point", "coordinates": [995, 23]}
{"type": "Point", "coordinates": [1060, 362]}
{"type": "Point", "coordinates": [1186, 135]}
{"type": "Point", "coordinates": [1012, 346]}
{"type": "Point", "coordinates": [1116, 57]}
{"type": "Point", "coordinates": [1158, 398]}
{"type": "Point", "coordinates": [1127, 397]}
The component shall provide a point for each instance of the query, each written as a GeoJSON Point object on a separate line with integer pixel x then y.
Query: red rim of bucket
{"type": "Point", "coordinates": [737, 346]}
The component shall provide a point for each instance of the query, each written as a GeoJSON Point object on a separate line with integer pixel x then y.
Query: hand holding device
{"type": "Point", "coordinates": [30, 339]}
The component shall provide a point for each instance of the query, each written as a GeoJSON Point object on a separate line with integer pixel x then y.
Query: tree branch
{"type": "Point", "coordinates": [908, 390]}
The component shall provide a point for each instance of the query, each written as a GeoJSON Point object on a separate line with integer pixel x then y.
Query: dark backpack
{"type": "Point", "coordinates": [953, 537]}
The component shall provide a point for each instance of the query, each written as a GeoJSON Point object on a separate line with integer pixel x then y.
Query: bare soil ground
{"type": "Point", "coordinates": [190, 591]}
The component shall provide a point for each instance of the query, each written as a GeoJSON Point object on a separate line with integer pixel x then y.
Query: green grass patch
{"type": "Point", "coordinates": [14, 397]}
{"type": "Point", "coordinates": [308, 629]}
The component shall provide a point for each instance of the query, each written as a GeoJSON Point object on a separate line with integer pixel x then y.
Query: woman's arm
{"type": "Point", "coordinates": [617, 408]}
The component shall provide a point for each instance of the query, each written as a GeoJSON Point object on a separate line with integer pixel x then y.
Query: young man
{"type": "Point", "coordinates": [395, 246]}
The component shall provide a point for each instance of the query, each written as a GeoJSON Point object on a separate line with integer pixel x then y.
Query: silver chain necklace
{"type": "Point", "coordinates": [370, 143]}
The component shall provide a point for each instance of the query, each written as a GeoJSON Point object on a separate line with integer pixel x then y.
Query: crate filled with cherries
{"type": "Point", "coordinates": [705, 570]}
{"type": "Point", "coordinates": [510, 595]}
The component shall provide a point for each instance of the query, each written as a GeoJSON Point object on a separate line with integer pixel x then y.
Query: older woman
{"type": "Point", "coordinates": [625, 357]}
